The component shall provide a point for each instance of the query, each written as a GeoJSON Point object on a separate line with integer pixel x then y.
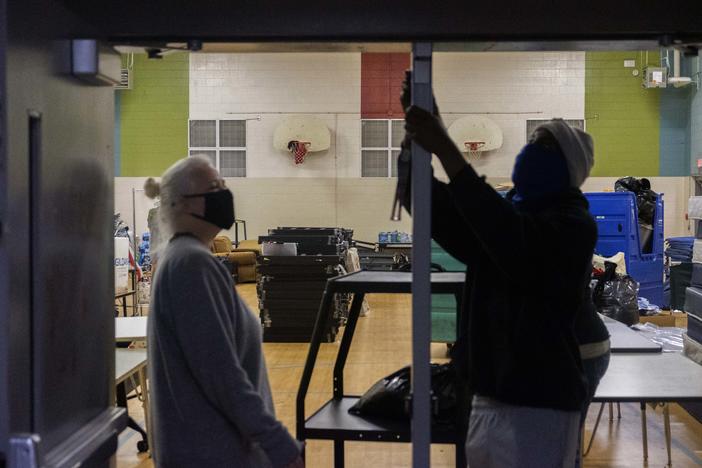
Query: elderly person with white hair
{"type": "Point", "coordinates": [212, 404]}
{"type": "Point", "coordinates": [526, 323]}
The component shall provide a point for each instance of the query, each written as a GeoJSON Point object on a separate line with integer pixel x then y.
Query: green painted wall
{"type": "Point", "coordinates": [622, 117]}
{"type": "Point", "coordinates": [154, 115]}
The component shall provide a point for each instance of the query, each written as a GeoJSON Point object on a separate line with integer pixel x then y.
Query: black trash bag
{"type": "Point", "coordinates": [389, 398]}
{"type": "Point", "coordinates": [632, 184]}
{"type": "Point", "coordinates": [228, 264]}
{"type": "Point", "coordinates": [616, 296]}
{"type": "Point", "coordinates": [645, 197]}
{"type": "Point", "coordinates": [433, 267]}
{"type": "Point", "coordinates": [444, 394]}
{"type": "Point", "coordinates": [646, 204]}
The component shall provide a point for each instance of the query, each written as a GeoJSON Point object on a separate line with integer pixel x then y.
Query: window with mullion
{"type": "Point", "coordinates": [221, 141]}
{"type": "Point", "coordinates": [380, 146]}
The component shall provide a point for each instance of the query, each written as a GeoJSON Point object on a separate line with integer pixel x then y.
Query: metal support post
{"type": "Point", "coordinates": [339, 454]}
{"type": "Point", "coordinates": [594, 430]}
{"type": "Point", "coordinates": [421, 259]}
{"type": "Point", "coordinates": [644, 431]}
{"type": "Point", "coordinates": [668, 436]}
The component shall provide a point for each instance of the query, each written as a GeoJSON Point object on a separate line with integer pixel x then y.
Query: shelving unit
{"type": "Point", "coordinates": [695, 408]}
{"type": "Point", "coordinates": [694, 315]}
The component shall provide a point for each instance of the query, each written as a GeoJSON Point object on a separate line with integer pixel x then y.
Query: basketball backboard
{"type": "Point", "coordinates": [302, 128]}
{"type": "Point", "coordinates": [475, 133]}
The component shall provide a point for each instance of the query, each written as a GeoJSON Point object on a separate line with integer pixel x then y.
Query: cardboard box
{"type": "Point", "coordinates": [667, 319]}
{"type": "Point", "coordinates": [121, 264]}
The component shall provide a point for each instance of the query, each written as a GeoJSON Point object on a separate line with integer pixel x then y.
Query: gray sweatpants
{"type": "Point", "coordinates": [506, 436]}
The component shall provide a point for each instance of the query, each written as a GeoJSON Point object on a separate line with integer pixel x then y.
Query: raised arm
{"type": "Point", "coordinates": [447, 225]}
{"type": "Point", "coordinates": [514, 241]}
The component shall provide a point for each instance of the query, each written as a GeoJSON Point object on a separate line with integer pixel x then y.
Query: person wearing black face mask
{"type": "Point", "coordinates": [518, 347]}
{"type": "Point", "coordinates": [219, 207]}
{"type": "Point", "coordinates": [211, 399]}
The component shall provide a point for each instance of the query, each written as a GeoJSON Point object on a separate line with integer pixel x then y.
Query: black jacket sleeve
{"type": "Point", "coordinates": [448, 227]}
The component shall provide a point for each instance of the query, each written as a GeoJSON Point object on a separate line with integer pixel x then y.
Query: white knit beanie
{"type": "Point", "coordinates": [577, 148]}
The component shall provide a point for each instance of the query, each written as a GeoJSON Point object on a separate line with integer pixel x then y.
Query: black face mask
{"type": "Point", "coordinates": [219, 208]}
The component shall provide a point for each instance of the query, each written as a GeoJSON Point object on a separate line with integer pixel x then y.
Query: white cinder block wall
{"type": "Point", "coordinates": [509, 88]}
{"type": "Point", "coordinates": [270, 87]}
{"type": "Point", "coordinates": [327, 189]}
{"type": "Point", "coordinates": [274, 86]}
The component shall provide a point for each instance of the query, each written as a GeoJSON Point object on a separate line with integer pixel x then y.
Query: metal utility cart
{"type": "Point", "coordinates": [122, 296]}
{"type": "Point", "coordinates": [332, 421]}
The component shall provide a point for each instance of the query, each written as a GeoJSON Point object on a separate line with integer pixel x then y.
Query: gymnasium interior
{"type": "Point", "coordinates": [353, 92]}
{"type": "Point", "coordinates": [305, 127]}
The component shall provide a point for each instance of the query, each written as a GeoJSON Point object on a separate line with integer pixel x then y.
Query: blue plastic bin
{"type": "Point", "coordinates": [618, 229]}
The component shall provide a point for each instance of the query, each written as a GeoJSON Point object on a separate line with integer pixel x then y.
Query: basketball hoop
{"type": "Point", "coordinates": [302, 134]}
{"type": "Point", "coordinates": [474, 149]}
{"type": "Point", "coordinates": [299, 150]}
{"type": "Point", "coordinates": [475, 135]}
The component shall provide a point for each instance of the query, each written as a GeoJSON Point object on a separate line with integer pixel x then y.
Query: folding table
{"type": "Point", "coordinates": [651, 378]}
{"type": "Point", "coordinates": [625, 340]}
{"type": "Point", "coordinates": [128, 363]}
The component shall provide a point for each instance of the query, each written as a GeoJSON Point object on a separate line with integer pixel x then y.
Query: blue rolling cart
{"type": "Point", "coordinates": [617, 217]}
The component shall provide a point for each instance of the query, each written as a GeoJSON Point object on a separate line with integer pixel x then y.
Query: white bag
{"type": "Point", "coordinates": [144, 292]}
{"type": "Point", "coordinates": [697, 251]}
{"type": "Point", "coordinates": [619, 259]}
{"type": "Point", "coordinates": [121, 265]}
{"type": "Point", "coordinates": [694, 208]}
{"type": "Point", "coordinates": [692, 349]}
{"type": "Point", "coordinates": [353, 264]}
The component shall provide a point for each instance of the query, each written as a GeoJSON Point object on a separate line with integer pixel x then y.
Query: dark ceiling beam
{"type": "Point", "coordinates": [390, 20]}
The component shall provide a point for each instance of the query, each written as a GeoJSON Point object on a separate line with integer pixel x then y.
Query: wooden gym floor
{"type": "Point", "coordinates": [382, 344]}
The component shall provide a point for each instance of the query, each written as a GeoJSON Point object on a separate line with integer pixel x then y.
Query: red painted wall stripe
{"type": "Point", "coordinates": [381, 84]}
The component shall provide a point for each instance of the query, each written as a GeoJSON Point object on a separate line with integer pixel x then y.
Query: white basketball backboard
{"type": "Point", "coordinates": [302, 128]}
{"type": "Point", "coordinates": [476, 128]}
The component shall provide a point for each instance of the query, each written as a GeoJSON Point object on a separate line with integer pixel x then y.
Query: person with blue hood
{"type": "Point", "coordinates": [525, 317]}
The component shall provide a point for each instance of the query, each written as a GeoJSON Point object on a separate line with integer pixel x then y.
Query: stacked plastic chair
{"type": "Point", "coordinates": [693, 294]}
{"type": "Point", "coordinates": [679, 266]}
{"type": "Point", "coordinates": [290, 288]}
